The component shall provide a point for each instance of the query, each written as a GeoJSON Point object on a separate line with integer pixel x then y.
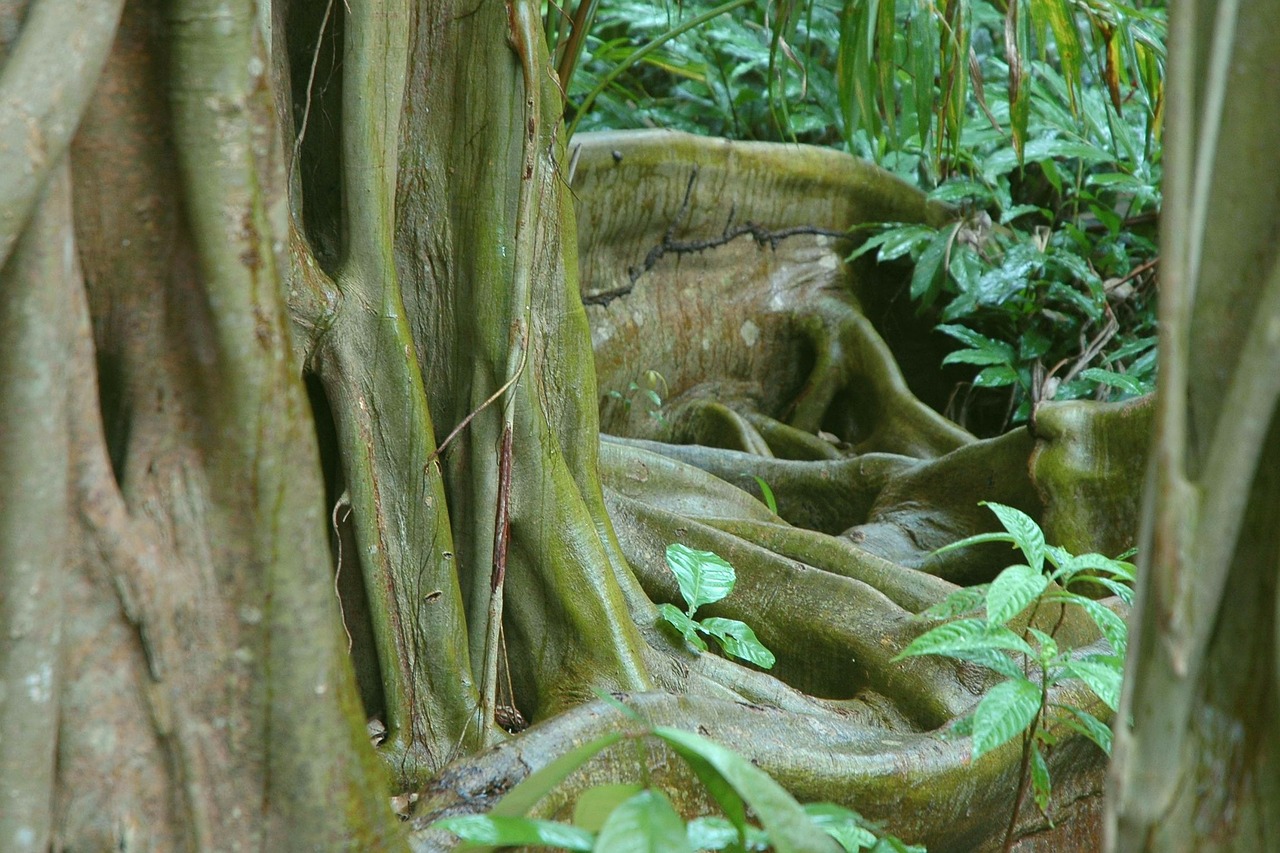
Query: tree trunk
{"type": "Point", "coordinates": [1196, 745]}
{"type": "Point", "coordinates": [295, 372]}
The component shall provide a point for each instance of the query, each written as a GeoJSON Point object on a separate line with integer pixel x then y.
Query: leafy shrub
{"type": "Point", "coordinates": [1031, 660]}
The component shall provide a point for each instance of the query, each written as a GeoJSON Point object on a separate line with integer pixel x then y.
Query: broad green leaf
{"type": "Point", "coordinates": [964, 635]}
{"type": "Point", "coordinates": [903, 239]}
{"type": "Point", "coordinates": [997, 376]}
{"type": "Point", "coordinates": [1116, 380]}
{"type": "Point", "coordinates": [646, 823]}
{"type": "Point", "coordinates": [686, 626]}
{"type": "Point", "coordinates": [789, 828]}
{"type": "Point", "coordinates": [704, 577]}
{"type": "Point", "coordinates": [844, 825]}
{"type": "Point", "coordinates": [1012, 590]}
{"type": "Point", "coordinates": [716, 833]}
{"type": "Point", "coordinates": [515, 831]}
{"type": "Point", "coordinates": [1024, 530]}
{"type": "Point", "coordinates": [738, 640]}
{"type": "Point", "coordinates": [1103, 678]}
{"type": "Point", "coordinates": [976, 356]}
{"type": "Point", "coordinates": [1004, 713]}
{"type": "Point", "coordinates": [595, 804]}
{"type": "Point", "coordinates": [928, 267]}
{"type": "Point", "coordinates": [524, 796]}
{"type": "Point", "coordinates": [975, 340]}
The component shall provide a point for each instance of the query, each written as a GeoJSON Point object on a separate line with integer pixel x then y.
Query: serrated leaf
{"type": "Point", "coordinates": [1004, 713]}
{"type": "Point", "coordinates": [964, 600]}
{"type": "Point", "coordinates": [595, 804]}
{"type": "Point", "coordinates": [645, 823]}
{"type": "Point", "coordinates": [1012, 590]}
{"type": "Point", "coordinates": [1109, 623]}
{"type": "Point", "coordinates": [1024, 531]}
{"type": "Point", "coordinates": [789, 828]}
{"type": "Point", "coordinates": [1090, 726]}
{"type": "Point", "coordinates": [704, 577]}
{"type": "Point", "coordinates": [515, 831]}
{"type": "Point", "coordinates": [1102, 678]}
{"type": "Point", "coordinates": [738, 640]}
{"type": "Point", "coordinates": [993, 659]}
{"type": "Point", "coordinates": [964, 635]}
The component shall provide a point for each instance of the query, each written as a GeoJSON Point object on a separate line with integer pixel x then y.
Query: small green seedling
{"type": "Point", "coordinates": [705, 578]}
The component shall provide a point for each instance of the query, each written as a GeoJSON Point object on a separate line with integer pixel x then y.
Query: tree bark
{"type": "Point", "coordinates": [1196, 737]}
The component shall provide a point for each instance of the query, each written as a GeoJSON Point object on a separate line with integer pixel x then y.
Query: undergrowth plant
{"type": "Point", "coordinates": [704, 578]}
{"type": "Point", "coordinates": [1031, 660]}
{"type": "Point", "coordinates": [1039, 119]}
{"type": "Point", "coordinates": [756, 812]}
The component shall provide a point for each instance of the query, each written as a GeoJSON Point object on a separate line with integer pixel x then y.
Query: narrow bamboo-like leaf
{"type": "Point", "coordinates": [767, 492]}
{"type": "Point", "coordinates": [595, 804]}
{"type": "Point", "coordinates": [1004, 713]}
{"type": "Point", "coordinates": [1024, 529]}
{"type": "Point", "coordinates": [704, 577]}
{"type": "Point", "coordinates": [898, 241]}
{"type": "Point", "coordinates": [645, 823]}
{"type": "Point", "coordinates": [1060, 16]}
{"type": "Point", "coordinates": [738, 640]}
{"type": "Point", "coordinates": [1012, 590]}
{"type": "Point", "coordinates": [790, 829]}
{"type": "Point", "coordinates": [514, 831]}
{"type": "Point", "coordinates": [886, 91]}
{"type": "Point", "coordinates": [1102, 678]}
{"type": "Point", "coordinates": [922, 48]}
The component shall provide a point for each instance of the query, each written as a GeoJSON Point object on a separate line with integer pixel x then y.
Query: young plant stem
{"type": "Point", "coordinates": [1024, 767]}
